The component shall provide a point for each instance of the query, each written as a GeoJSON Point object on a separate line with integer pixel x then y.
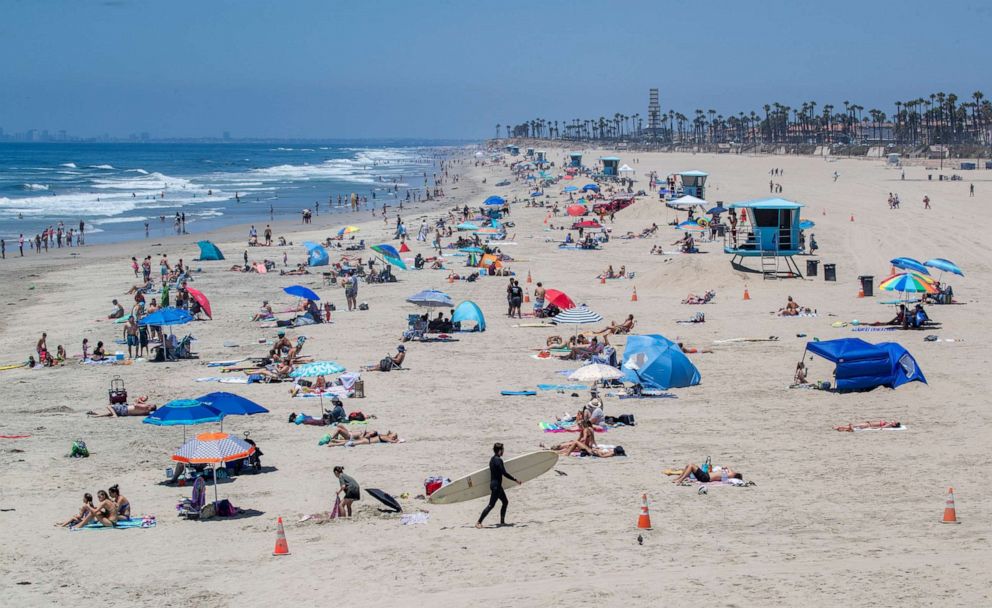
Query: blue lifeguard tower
{"type": "Point", "coordinates": [575, 159]}
{"type": "Point", "coordinates": [768, 228]}
{"type": "Point", "coordinates": [694, 183]}
{"type": "Point", "coordinates": [611, 165]}
{"type": "Point", "coordinates": [540, 157]}
{"type": "Point", "coordinates": [513, 150]}
{"type": "Point", "coordinates": [530, 152]}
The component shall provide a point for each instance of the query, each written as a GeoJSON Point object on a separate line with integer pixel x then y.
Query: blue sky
{"type": "Point", "coordinates": [455, 68]}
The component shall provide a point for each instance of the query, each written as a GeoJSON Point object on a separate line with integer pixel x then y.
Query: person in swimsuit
{"type": "Point", "coordinates": [123, 505]}
{"type": "Point", "coordinates": [352, 491]}
{"type": "Point", "coordinates": [496, 474]}
{"type": "Point", "coordinates": [705, 476]}
{"type": "Point", "coordinates": [362, 438]}
{"type": "Point", "coordinates": [140, 408]}
{"type": "Point", "coordinates": [104, 512]}
{"type": "Point", "coordinates": [881, 424]}
{"type": "Point", "coordinates": [78, 517]}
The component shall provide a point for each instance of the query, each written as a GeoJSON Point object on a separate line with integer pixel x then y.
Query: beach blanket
{"type": "Point", "coordinates": [226, 363]}
{"type": "Point", "coordinates": [518, 393]}
{"type": "Point", "coordinates": [562, 387]}
{"type": "Point", "coordinates": [233, 380]}
{"type": "Point", "coordinates": [420, 517]}
{"type": "Point", "coordinates": [901, 427]}
{"type": "Point", "coordinates": [647, 395]}
{"type": "Point", "coordinates": [559, 427]}
{"type": "Point", "coordinates": [732, 340]}
{"type": "Point", "coordinates": [873, 329]}
{"type": "Point", "coordinates": [339, 391]}
{"type": "Point", "coordinates": [101, 362]}
{"type": "Point", "coordinates": [534, 325]}
{"type": "Point", "coordinates": [125, 524]}
{"type": "Point", "coordinates": [208, 379]}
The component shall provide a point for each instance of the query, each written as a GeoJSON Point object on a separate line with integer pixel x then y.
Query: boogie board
{"type": "Point", "coordinates": [476, 485]}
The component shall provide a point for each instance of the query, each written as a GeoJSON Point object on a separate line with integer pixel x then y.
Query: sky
{"type": "Point", "coordinates": [456, 68]}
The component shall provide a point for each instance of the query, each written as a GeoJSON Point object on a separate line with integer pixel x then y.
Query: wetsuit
{"type": "Point", "coordinates": [496, 474]}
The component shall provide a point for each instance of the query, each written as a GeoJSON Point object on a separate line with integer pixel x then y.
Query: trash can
{"type": "Point", "coordinates": [811, 267]}
{"type": "Point", "coordinates": [830, 272]}
{"type": "Point", "coordinates": [867, 285]}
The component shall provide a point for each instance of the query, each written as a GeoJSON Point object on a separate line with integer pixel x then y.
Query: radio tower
{"type": "Point", "coordinates": [654, 112]}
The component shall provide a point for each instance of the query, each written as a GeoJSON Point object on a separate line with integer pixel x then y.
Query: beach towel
{"type": "Point", "coordinates": [518, 393]}
{"type": "Point", "coordinates": [233, 380]}
{"type": "Point", "coordinates": [147, 521]}
{"type": "Point", "coordinates": [647, 395]}
{"type": "Point", "coordinates": [420, 517]}
{"type": "Point", "coordinates": [562, 387]}
{"type": "Point", "coordinates": [601, 446]}
{"type": "Point", "coordinates": [208, 379]}
{"type": "Point", "coordinates": [901, 427]}
{"type": "Point", "coordinates": [226, 363]}
{"type": "Point", "coordinates": [329, 391]}
{"type": "Point", "coordinates": [559, 427]}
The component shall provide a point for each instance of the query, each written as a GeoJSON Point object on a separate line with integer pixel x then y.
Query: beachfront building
{"type": "Point", "coordinates": [767, 228]}
{"type": "Point", "coordinates": [575, 159]}
{"type": "Point", "coordinates": [694, 183]}
{"type": "Point", "coordinates": [611, 165]}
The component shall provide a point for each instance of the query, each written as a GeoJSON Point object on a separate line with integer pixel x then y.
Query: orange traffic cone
{"type": "Point", "coordinates": [861, 292]}
{"type": "Point", "coordinates": [633, 296]}
{"type": "Point", "coordinates": [747, 295]}
{"type": "Point", "coordinates": [527, 296]}
{"type": "Point", "coordinates": [529, 280]}
{"type": "Point", "coordinates": [282, 547]}
{"type": "Point", "coordinates": [950, 514]}
{"type": "Point", "coordinates": [403, 247]}
{"type": "Point", "coordinates": [644, 520]}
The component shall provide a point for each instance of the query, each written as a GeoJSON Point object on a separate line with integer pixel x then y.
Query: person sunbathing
{"type": "Point", "coordinates": [881, 424]}
{"type": "Point", "coordinates": [278, 373]}
{"type": "Point", "coordinates": [264, 312]}
{"type": "Point", "coordinates": [117, 410]}
{"type": "Point", "coordinates": [105, 511]}
{"type": "Point", "coordinates": [118, 311]}
{"type": "Point", "coordinates": [585, 352]}
{"type": "Point", "coordinates": [123, 505]}
{"type": "Point", "coordinates": [704, 299]}
{"type": "Point", "coordinates": [584, 443]}
{"type": "Point", "coordinates": [147, 287]}
{"type": "Point", "coordinates": [300, 269]}
{"type": "Point", "coordinates": [618, 328]}
{"type": "Point", "coordinates": [791, 309]}
{"type": "Point", "coordinates": [705, 476]}
{"type": "Point", "coordinates": [367, 438]}
{"type": "Point", "coordinates": [692, 351]}
{"type": "Point", "coordinates": [78, 517]}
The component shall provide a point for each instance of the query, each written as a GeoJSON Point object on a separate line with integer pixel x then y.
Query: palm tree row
{"type": "Point", "coordinates": [940, 118]}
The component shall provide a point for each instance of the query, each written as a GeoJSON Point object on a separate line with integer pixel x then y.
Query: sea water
{"type": "Point", "coordinates": [115, 188]}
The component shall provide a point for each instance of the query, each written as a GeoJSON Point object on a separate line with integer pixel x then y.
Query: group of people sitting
{"type": "Point", "coordinates": [911, 319]}
{"type": "Point", "coordinates": [110, 507]}
{"type": "Point", "coordinates": [586, 421]}
{"type": "Point", "coordinates": [609, 273]}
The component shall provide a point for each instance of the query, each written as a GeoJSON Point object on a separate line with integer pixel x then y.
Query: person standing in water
{"type": "Point", "coordinates": [496, 474]}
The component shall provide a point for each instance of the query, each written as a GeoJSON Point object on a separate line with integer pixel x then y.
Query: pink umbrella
{"type": "Point", "coordinates": [201, 299]}
{"type": "Point", "coordinates": [576, 210]}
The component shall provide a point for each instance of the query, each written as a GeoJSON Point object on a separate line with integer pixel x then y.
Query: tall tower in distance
{"type": "Point", "coordinates": [654, 112]}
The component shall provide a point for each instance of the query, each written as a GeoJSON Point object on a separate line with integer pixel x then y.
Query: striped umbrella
{"type": "Point", "coordinates": [214, 449]}
{"type": "Point", "coordinates": [580, 315]}
{"type": "Point", "coordinates": [909, 282]}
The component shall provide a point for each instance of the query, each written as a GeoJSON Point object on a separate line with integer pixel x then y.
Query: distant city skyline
{"type": "Point", "coordinates": [441, 69]}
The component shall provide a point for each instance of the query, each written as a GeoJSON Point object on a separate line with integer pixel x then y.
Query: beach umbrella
{"type": "Point", "coordinates": [691, 225]}
{"type": "Point", "coordinates": [316, 368]}
{"type": "Point", "coordinates": [467, 226]}
{"type": "Point", "coordinates": [213, 449]}
{"type": "Point", "coordinates": [570, 188]}
{"type": "Point", "coordinates": [348, 230]}
{"type": "Point", "coordinates": [596, 372]}
{"type": "Point", "coordinates": [201, 299]}
{"type": "Point", "coordinates": [558, 298]}
{"type": "Point", "coordinates": [717, 210]}
{"type": "Point", "coordinates": [301, 292]}
{"type": "Point", "coordinates": [590, 187]}
{"type": "Point", "coordinates": [576, 210]}
{"type": "Point", "coordinates": [908, 282]}
{"type": "Point", "coordinates": [230, 404]}
{"type": "Point", "coordinates": [494, 200]}
{"type": "Point", "coordinates": [184, 412]}
{"type": "Point", "coordinates": [687, 202]}
{"type": "Point", "coordinates": [390, 255]}
{"type": "Point", "coordinates": [579, 315]}
{"type": "Point", "coordinates": [167, 316]}
{"type": "Point", "coordinates": [944, 266]}
{"type": "Point", "coordinates": [806, 224]}
{"type": "Point", "coordinates": [431, 298]}
{"type": "Point", "coordinates": [472, 250]}
{"type": "Point", "coordinates": [910, 264]}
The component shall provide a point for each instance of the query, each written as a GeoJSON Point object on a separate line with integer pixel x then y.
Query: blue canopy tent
{"type": "Point", "coordinates": [655, 362]}
{"type": "Point", "coordinates": [494, 200]}
{"type": "Point", "coordinates": [863, 366]}
{"type": "Point", "coordinates": [209, 252]}
{"type": "Point", "coordinates": [469, 311]}
{"type": "Point", "coordinates": [316, 254]}
{"type": "Point", "coordinates": [590, 187]}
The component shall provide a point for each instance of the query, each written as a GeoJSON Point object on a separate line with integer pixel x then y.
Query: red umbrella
{"type": "Point", "coordinates": [201, 299]}
{"type": "Point", "coordinates": [587, 224]}
{"type": "Point", "coordinates": [559, 299]}
{"type": "Point", "coordinates": [576, 210]}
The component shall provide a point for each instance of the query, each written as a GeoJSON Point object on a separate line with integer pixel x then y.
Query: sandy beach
{"type": "Point", "coordinates": [835, 519]}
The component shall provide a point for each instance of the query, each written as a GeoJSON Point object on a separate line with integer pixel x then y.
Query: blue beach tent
{"type": "Point", "coordinates": [316, 254]}
{"type": "Point", "coordinates": [655, 362]}
{"type": "Point", "coordinates": [863, 366]}
{"type": "Point", "coordinates": [469, 311]}
{"type": "Point", "coordinates": [209, 251]}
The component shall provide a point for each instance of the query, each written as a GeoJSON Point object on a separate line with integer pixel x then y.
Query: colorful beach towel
{"type": "Point", "coordinates": [125, 524]}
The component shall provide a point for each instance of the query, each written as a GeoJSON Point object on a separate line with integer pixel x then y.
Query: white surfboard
{"type": "Point", "coordinates": [476, 485]}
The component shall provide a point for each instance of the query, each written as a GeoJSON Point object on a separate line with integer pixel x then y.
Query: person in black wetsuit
{"type": "Point", "coordinates": [496, 474]}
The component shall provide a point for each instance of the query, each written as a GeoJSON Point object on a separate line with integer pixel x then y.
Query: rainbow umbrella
{"type": "Point", "coordinates": [348, 230]}
{"type": "Point", "coordinates": [908, 282]}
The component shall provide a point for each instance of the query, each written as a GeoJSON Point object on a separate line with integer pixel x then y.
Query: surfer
{"type": "Point", "coordinates": [496, 474]}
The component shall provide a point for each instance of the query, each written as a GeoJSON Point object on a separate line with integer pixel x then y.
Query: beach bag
{"type": "Point", "coordinates": [356, 416]}
{"type": "Point", "coordinates": [386, 364]}
{"type": "Point", "coordinates": [433, 484]}
{"type": "Point", "coordinates": [363, 306]}
{"type": "Point", "coordinates": [79, 449]}
{"type": "Point", "coordinates": [619, 451]}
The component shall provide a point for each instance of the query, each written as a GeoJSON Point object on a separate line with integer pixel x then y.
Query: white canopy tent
{"type": "Point", "coordinates": [688, 202]}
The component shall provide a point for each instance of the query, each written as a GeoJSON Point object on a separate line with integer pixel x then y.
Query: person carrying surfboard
{"type": "Point", "coordinates": [496, 474]}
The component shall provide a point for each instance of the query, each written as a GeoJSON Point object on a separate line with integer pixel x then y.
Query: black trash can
{"type": "Point", "coordinates": [867, 285]}
{"type": "Point", "coordinates": [811, 267]}
{"type": "Point", "coordinates": [830, 272]}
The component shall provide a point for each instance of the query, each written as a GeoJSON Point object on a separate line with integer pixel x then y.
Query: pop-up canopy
{"type": "Point", "coordinates": [864, 366]}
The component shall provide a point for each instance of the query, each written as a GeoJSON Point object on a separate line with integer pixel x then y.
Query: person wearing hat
{"type": "Point", "coordinates": [594, 409]}
{"type": "Point", "coordinates": [337, 415]}
{"type": "Point", "coordinates": [282, 343]}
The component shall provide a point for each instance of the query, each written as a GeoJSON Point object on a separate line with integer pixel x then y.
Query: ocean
{"type": "Point", "coordinates": [115, 188]}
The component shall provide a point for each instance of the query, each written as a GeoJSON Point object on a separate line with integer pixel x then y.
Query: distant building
{"type": "Point", "coordinates": [654, 112]}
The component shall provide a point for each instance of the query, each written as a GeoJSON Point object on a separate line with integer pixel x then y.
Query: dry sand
{"type": "Point", "coordinates": [835, 518]}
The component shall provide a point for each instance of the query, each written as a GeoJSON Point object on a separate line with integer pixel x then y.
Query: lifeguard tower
{"type": "Point", "coordinates": [513, 150]}
{"type": "Point", "coordinates": [540, 157]}
{"type": "Point", "coordinates": [768, 228]}
{"type": "Point", "coordinates": [575, 159]}
{"type": "Point", "coordinates": [611, 165]}
{"type": "Point", "coordinates": [694, 183]}
{"type": "Point", "coordinates": [530, 152]}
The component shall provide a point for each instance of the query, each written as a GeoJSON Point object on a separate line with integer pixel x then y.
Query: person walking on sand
{"type": "Point", "coordinates": [496, 474]}
{"type": "Point", "coordinates": [926, 201]}
{"type": "Point", "coordinates": [352, 491]}
{"type": "Point", "coordinates": [971, 190]}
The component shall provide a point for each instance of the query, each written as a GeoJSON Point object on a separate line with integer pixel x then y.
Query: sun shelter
{"type": "Point", "coordinates": [694, 183]}
{"type": "Point", "coordinates": [469, 311]}
{"type": "Point", "coordinates": [316, 254]}
{"type": "Point", "coordinates": [657, 363]}
{"type": "Point", "coordinates": [575, 159]}
{"type": "Point", "coordinates": [540, 157]}
{"type": "Point", "coordinates": [209, 252]}
{"type": "Point", "coordinates": [862, 366]}
{"type": "Point", "coordinates": [611, 165]}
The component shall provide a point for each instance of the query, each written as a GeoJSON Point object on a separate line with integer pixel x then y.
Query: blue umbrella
{"type": "Point", "coordinates": [184, 412]}
{"type": "Point", "coordinates": [536, 193]}
{"type": "Point", "coordinates": [494, 200]}
{"type": "Point", "coordinates": [316, 368]}
{"type": "Point", "coordinates": [167, 316]}
{"type": "Point", "coordinates": [571, 189]}
{"type": "Point", "coordinates": [230, 404]}
{"type": "Point", "coordinates": [717, 210]}
{"type": "Point", "coordinates": [431, 298]}
{"type": "Point", "coordinates": [390, 254]}
{"type": "Point", "coordinates": [589, 187]}
{"type": "Point", "coordinates": [910, 264]}
{"type": "Point", "coordinates": [655, 362]}
{"type": "Point", "coordinates": [944, 266]}
{"type": "Point", "coordinates": [301, 292]}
